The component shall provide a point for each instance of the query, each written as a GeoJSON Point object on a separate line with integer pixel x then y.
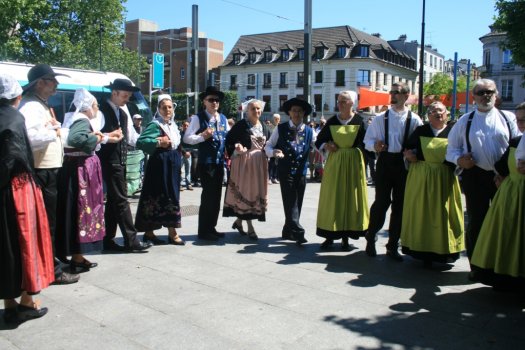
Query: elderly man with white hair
{"type": "Point", "coordinates": [343, 205]}
{"type": "Point", "coordinates": [387, 135]}
{"type": "Point", "coordinates": [475, 144]}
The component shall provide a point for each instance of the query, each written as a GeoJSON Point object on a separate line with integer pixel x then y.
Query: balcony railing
{"type": "Point", "coordinates": [507, 66]}
{"type": "Point", "coordinates": [283, 85]}
{"type": "Point", "coordinates": [267, 86]}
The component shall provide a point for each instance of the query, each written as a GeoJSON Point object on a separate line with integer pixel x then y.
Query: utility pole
{"type": "Point", "coordinates": [307, 48]}
{"type": "Point", "coordinates": [195, 56]}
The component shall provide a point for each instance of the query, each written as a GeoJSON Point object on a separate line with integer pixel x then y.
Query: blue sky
{"type": "Point", "coordinates": [451, 25]}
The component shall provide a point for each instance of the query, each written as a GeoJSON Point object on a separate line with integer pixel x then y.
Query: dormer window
{"type": "Point", "coordinates": [341, 51]}
{"type": "Point", "coordinates": [300, 54]}
{"type": "Point", "coordinates": [268, 56]}
{"type": "Point", "coordinates": [319, 52]}
{"type": "Point", "coordinates": [237, 58]}
{"type": "Point", "coordinates": [252, 57]}
{"type": "Point", "coordinates": [363, 51]}
{"type": "Point", "coordinates": [285, 54]}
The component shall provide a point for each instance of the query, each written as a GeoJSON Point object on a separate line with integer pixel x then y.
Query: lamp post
{"type": "Point", "coordinates": [188, 95]}
{"type": "Point", "coordinates": [322, 87]}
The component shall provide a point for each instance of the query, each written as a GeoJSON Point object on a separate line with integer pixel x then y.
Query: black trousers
{"type": "Point", "coordinates": [211, 176]}
{"type": "Point", "coordinates": [292, 192]}
{"type": "Point", "coordinates": [272, 168]}
{"type": "Point", "coordinates": [479, 188]}
{"type": "Point", "coordinates": [47, 179]}
{"type": "Point", "coordinates": [117, 210]}
{"type": "Point", "coordinates": [391, 176]}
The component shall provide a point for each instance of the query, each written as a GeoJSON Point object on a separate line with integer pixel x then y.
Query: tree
{"type": "Point", "coordinates": [511, 20]}
{"type": "Point", "coordinates": [443, 84]}
{"type": "Point", "coordinates": [69, 33]}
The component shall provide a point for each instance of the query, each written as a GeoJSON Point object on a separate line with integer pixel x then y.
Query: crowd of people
{"type": "Point", "coordinates": [52, 177]}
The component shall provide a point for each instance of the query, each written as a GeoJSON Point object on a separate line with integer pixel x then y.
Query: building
{"type": "Point", "coordinates": [498, 66]}
{"type": "Point", "coordinates": [270, 66]}
{"type": "Point", "coordinates": [433, 61]}
{"type": "Point", "coordinates": [144, 37]}
{"type": "Point", "coordinates": [462, 68]}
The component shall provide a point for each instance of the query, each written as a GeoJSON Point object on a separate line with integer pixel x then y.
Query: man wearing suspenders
{"type": "Point", "coordinates": [387, 135]}
{"type": "Point", "coordinates": [475, 143]}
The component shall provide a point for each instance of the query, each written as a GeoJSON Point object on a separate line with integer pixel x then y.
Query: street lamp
{"type": "Point", "coordinates": [188, 95]}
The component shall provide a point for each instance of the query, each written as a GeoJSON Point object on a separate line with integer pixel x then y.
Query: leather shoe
{"type": "Point", "coordinates": [177, 241]}
{"type": "Point", "coordinates": [346, 247]}
{"type": "Point", "coordinates": [238, 228]}
{"type": "Point", "coordinates": [326, 244]}
{"type": "Point", "coordinates": [138, 247]}
{"type": "Point", "coordinates": [253, 236]}
{"type": "Point", "coordinates": [394, 254]}
{"type": "Point", "coordinates": [111, 245]}
{"type": "Point", "coordinates": [25, 313]}
{"type": "Point", "coordinates": [66, 278]}
{"type": "Point", "coordinates": [208, 236]}
{"type": "Point", "coordinates": [83, 266]}
{"type": "Point", "coordinates": [300, 241]}
{"type": "Point", "coordinates": [371, 249]}
{"type": "Point", "coordinates": [288, 236]}
{"type": "Point", "coordinates": [10, 315]}
{"type": "Point", "coordinates": [153, 240]}
{"type": "Point", "coordinates": [219, 234]}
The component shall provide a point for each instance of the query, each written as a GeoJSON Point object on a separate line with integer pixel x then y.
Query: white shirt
{"type": "Point", "coordinates": [489, 137]}
{"type": "Point", "coordinates": [39, 131]}
{"type": "Point", "coordinates": [133, 136]}
{"type": "Point", "coordinates": [396, 130]}
{"type": "Point", "coordinates": [190, 136]}
{"type": "Point", "coordinates": [269, 147]}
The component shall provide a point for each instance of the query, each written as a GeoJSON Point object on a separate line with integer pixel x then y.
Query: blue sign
{"type": "Point", "coordinates": [158, 70]}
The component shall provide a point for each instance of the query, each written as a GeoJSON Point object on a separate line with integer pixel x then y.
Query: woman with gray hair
{"type": "Point", "coordinates": [343, 204]}
{"type": "Point", "coordinates": [247, 192]}
{"type": "Point", "coordinates": [80, 221]}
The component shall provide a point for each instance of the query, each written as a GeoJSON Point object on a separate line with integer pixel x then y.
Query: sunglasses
{"type": "Point", "coordinates": [485, 92]}
{"type": "Point", "coordinates": [211, 100]}
{"type": "Point", "coordinates": [395, 92]}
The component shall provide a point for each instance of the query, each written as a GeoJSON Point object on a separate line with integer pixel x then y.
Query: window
{"type": "Point", "coordinates": [282, 100]}
{"type": "Point", "coordinates": [507, 57]}
{"type": "Point", "coordinates": [182, 73]}
{"type": "Point", "coordinates": [506, 90]}
{"type": "Point", "coordinates": [435, 62]}
{"type": "Point", "coordinates": [440, 64]}
{"type": "Point", "coordinates": [300, 79]}
{"type": "Point", "coordinates": [318, 101]}
{"type": "Point", "coordinates": [300, 54]}
{"type": "Point", "coordinates": [431, 61]}
{"type": "Point", "coordinates": [341, 51]}
{"type": "Point", "coordinates": [267, 80]}
{"type": "Point", "coordinates": [363, 77]}
{"type": "Point", "coordinates": [319, 53]}
{"type": "Point", "coordinates": [237, 59]}
{"type": "Point", "coordinates": [252, 57]}
{"type": "Point", "coordinates": [160, 45]}
{"type": "Point", "coordinates": [318, 78]}
{"type": "Point", "coordinates": [233, 82]}
{"type": "Point", "coordinates": [363, 51]}
{"type": "Point", "coordinates": [268, 56]}
{"type": "Point", "coordinates": [340, 78]}
{"type": "Point", "coordinates": [336, 106]}
{"type": "Point", "coordinates": [283, 80]}
{"type": "Point", "coordinates": [486, 58]}
{"type": "Point", "coordinates": [285, 55]}
{"type": "Point", "coordinates": [385, 79]}
{"type": "Point", "coordinates": [251, 81]}
{"type": "Point", "coordinates": [267, 99]}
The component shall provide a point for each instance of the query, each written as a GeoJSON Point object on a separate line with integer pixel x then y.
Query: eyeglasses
{"type": "Point", "coordinates": [395, 92]}
{"type": "Point", "coordinates": [485, 92]}
{"type": "Point", "coordinates": [211, 100]}
{"type": "Point", "coordinates": [51, 79]}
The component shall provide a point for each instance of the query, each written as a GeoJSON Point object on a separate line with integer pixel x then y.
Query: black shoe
{"type": "Point", "coordinates": [238, 228]}
{"type": "Point", "coordinates": [83, 266]}
{"type": "Point", "coordinates": [288, 236]}
{"type": "Point", "coordinates": [253, 236]}
{"type": "Point", "coordinates": [371, 249]}
{"type": "Point", "coordinates": [10, 315]}
{"type": "Point", "coordinates": [346, 247]}
{"type": "Point", "coordinates": [138, 247]}
{"type": "Point", "coordinates": [326, 244]}
{"type": "Point", "coordinates": [25, 313]}
{"type": "Point", "coordinates": [300, 241]}
{"type": "Point", "coordinates": [208, 236]}
{"type": "Point", "coordinates": [219, 234]}
{"type": "Point", "coordinates": [178, 241]}
{"type": "Point", "coordinates": [394, 254]}
{"type": "Point", "coordinates": [153, 240]}
{"type": "Point", "coordinates": [112, 246]}
{"type": "Point", "coordinates": [473, 276]}
{"type": "Point", "coordinates": [66, 278]}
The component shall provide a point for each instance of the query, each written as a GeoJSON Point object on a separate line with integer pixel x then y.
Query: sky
{"type": "Point", "coordinates": [450, 25]}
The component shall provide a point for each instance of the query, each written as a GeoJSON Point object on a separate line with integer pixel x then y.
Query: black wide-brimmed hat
{"type": "Point", "coordinates": [122, 84]}
{"type": "Point", "coordinates": [297, 102]}
{"type": "Point", "coordinates": [40, 71]}
{"type": "Point", "coordinates": [211, 90]}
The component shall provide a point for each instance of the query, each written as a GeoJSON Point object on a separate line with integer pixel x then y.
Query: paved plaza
{"type": "Point", "coordinates": [269, 294]}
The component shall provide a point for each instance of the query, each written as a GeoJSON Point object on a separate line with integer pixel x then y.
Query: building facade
{"type": "Point", "coordinates": [498, 66]}
{"type": "Point", "coordinates": [144, 37]}
{"type": "Point", "coordinates": [270, 66]}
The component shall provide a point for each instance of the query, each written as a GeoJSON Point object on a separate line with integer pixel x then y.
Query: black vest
{"type": "Point", "coordinates": [113, 153]}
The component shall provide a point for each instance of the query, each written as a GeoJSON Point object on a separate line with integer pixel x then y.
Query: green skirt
{"type": "Point", "coordinates": [343, 200]}
{"type": "Point", "coordinates": [500, 247]}
{"type": "Point", "coordinates": [432, 226]}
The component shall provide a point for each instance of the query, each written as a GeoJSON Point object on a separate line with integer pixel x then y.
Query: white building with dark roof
{"type": "Point", "coordinates": [270, 66]}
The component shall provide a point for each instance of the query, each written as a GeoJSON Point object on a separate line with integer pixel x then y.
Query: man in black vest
{"type": "Point", "coordinates": [113, 161]}
{"type": "Point", "coordinates": [386, 136]}
{"type": "Point", "coordinates": [208, 130]}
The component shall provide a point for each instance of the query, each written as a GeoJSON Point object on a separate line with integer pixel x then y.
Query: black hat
{"type": "Point", "coordinates": [40, 71]}
{"type": "Point", "coordinates": [211, 90]}
{"type": "Point", "coordinates": [122, 84]}
{"type": "Point", "coordinates": [297, 102]}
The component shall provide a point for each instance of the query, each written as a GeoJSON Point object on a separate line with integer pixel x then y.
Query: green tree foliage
{"type": "Point", "coordinates": [442, 84]}
{"type": "Point", "coordinates": [511, 20]}
{"type": "Point", "coordinates": [68, 33]}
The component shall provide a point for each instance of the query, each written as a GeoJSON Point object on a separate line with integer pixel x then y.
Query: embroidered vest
{"type": "Point", "coordinates": [211, 151]}
{"type": "Point", "coordinates": [295, 159]}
